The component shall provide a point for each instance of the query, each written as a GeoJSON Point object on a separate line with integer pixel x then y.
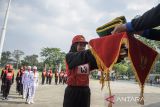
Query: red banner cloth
{"type": "Point", "coordinates": [107, 49]}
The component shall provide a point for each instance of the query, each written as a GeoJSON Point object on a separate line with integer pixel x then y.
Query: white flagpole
{"type": "Point", "coordinates": [60, 67]}
{"type": "Point", "coordinates": [2, 36]}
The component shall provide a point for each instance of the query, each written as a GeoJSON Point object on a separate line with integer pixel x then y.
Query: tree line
{"type": "Point", "coordinates": [49, 57]}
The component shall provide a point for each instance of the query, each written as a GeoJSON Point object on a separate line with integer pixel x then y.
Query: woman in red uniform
{"type": "Point", "coordinates": [8, 80]}
{"type": "Point", "coordinates": [79, 63]}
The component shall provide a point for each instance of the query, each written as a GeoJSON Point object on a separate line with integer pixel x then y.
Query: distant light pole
{"type": "Point", "coordinates": [2, 36]}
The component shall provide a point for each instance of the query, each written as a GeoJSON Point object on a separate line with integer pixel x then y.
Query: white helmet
{"type": "Point", "coordinates": [29, 67]}
{"type": "Point", "coordinates": [34, 67]}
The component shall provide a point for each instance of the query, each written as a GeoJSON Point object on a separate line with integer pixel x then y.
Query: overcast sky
{"type": "Point", "coordinates": [34, 24]}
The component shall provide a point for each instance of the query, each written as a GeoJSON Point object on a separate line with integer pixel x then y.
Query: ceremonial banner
{"type": "Point", "coordinates": [143, 59]}
{"type": "Point", "coordinates": [107, 49]}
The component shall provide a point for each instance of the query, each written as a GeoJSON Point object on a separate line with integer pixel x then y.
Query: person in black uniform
{"type": "Point", "coordinates": [50, 76]}
{"type": "Point", "coordinates": [8, 81]}
{"type": "Point", "coordinates": [43, 76]}
{"type": "Point", "coordinates": [56, 75]}
{"type": "Point", "coordinates": [19, 81]}
{"type": "Point", "coordinates": [47, 77]}
{"type": "Point", "coordinates": [79, 63]}
{"type": "Point", "coordinates": [2, 76]}
{"type": "Point", "coordinates": [61, 75]}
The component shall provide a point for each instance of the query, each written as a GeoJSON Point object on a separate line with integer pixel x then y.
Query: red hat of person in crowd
{"type": "Point", "coordinates": [79, 38]}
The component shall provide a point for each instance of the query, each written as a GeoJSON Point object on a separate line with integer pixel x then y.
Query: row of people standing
{"type": "Point", "coordinates": [61, 77]}
{"type": "Point", "coordinates": [47, 76]}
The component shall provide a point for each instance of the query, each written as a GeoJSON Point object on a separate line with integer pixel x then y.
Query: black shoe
{"type": "Point", "coordinates": [6, 98]}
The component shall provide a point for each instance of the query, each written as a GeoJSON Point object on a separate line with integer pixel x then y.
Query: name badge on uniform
{"type": "Point", "coordinates": [83, 69]}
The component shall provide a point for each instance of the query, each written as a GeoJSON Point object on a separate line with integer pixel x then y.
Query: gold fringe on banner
{"type": "Point", "coordinates": [141, 98]}
{"type": "Point", "coordinates": [102, 81]}
{"type": "Point", "coordinates": [104, 70]}
{"type": "Point", "coordinates": [100, 65]}
{"type": "Point", "coordinates": [109, 87]}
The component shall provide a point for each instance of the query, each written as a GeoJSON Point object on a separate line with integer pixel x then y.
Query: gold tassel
{"type": "Point", "coordinates": [141, 98]}
{"type": "Point", "coordinates": [102, 80]}
{"type": "Point", "coordinates": [105, 72]}
{"type": "Point", "coordinates": [108, 79]}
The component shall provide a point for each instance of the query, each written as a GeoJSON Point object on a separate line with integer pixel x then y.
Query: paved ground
{"type": "Point", "coordinates": [52, 96]}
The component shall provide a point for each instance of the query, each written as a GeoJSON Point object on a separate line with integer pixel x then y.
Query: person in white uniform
{"type": "Point", "coordinates": [27, 80]}
{"type": "Point", "coordinates": [34, 84]}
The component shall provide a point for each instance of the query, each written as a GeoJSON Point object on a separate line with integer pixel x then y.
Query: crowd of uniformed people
{"type": "Point", "coordinates": [60, 77]}
{"type": "Point", "coordinates": [27, 80]}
